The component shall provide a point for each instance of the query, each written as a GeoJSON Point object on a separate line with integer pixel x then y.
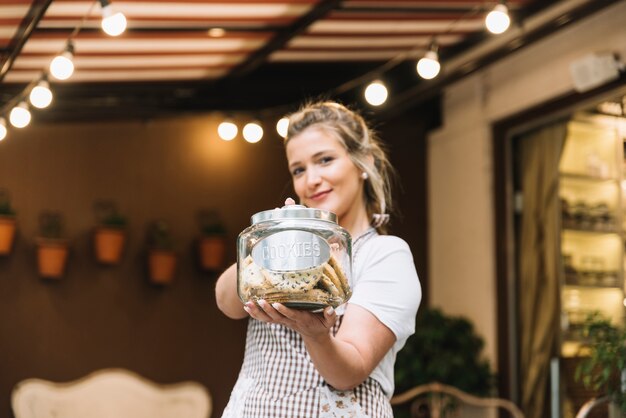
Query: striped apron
{"type": "Point", "coordinates": [279, 380]}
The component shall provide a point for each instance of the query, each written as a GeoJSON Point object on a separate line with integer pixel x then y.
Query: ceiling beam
{"type": "Point", "coordinates": [28, 25]}
{"type": "Point", "coordinates": [283, 37]}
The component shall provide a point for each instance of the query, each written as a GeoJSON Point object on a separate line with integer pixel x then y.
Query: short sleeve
{"type": "Point", "coordinates": [385, 283]}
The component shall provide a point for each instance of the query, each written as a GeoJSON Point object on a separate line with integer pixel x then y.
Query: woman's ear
{"type": "Point", "coordinates": [369, 159]}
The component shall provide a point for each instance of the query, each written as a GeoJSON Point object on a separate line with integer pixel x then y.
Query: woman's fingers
{"type": "Point", "coordinates": [289, 201]}
{"type": "Point", "coordinates": [330, 316]}
{"type": "Point", "coordinates": [256, 312]}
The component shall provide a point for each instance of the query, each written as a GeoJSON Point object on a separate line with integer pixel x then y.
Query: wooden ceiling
{"type": "Point", "coordinates": [235, 54]}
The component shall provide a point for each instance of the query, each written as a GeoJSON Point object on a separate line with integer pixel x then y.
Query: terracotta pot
{"type": "Point", "coordinates": [161, 266]}
{"type": "Point", "coordinates": [8, 225]}
{"type": "Point", "coordinates": [109, 244]}
{"type": "Point", "coordinates": [52, 258]}
{"type": "Point", "coordinates": [211, 252]}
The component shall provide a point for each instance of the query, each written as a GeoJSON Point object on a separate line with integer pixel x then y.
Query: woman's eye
{"type": "Point", "coordinates": [296, 171]}
{"type": "Point", "coordinates": [326, 160]}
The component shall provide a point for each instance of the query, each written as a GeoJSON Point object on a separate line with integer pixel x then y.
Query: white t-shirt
{"type": "Point", "coordinates": [385, 282]}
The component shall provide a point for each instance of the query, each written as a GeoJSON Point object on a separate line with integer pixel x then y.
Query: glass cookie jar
{"type": "Point", "coordinates": [296, 256]}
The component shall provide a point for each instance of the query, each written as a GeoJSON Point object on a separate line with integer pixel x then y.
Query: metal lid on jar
{"type": "Point", "coordinates": [293, 212]}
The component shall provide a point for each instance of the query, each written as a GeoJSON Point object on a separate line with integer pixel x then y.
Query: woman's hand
{"type": "Point", "coordinates": [308, 324]}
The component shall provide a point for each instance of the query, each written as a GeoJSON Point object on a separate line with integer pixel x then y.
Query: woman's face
{"type": "Point", "coordinates": [324, 176]}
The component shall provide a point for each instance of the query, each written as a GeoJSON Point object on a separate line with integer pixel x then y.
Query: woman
{"type": "Point", "coordinates": [336, 363]}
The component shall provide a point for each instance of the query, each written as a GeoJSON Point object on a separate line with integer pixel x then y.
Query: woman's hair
{"type": "Point", "coordinates": [362, 145]}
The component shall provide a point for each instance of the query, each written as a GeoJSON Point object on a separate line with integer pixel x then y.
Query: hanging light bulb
{"type": "Point", "coordinates": [20, 115]}
{"type": "Point", "coordinates": [113, 24]}
{"type": "Point", "coordinates": [282, 126]}
{"type": "Point", "coordinates": [376, 93]}
{"type": "Point", "coordinates": [3, 129]}
{"type": "Point", "coordinates": [498, 20]}
{"type": "Point", "coordinates": [252, 132]}
{"type": "Point", "coordinates": [40, 95]}
{"type": "Point", "coordinates": [62, 66]}
{"type": "Point", "coordinates": [227, 130]}
{"type": "Point", "coordinates": [428, 66]}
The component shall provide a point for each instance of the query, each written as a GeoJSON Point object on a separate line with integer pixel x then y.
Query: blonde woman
{"type": "Point", "coordinates": [338, 363]}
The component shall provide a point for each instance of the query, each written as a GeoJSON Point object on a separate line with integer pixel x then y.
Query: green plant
{"type": "Point", "coordinates": [443, 349]}
{"type": "Point", "coordinates": [160, 236]}
{"type": "Point", "coordinates": [5, 204]}
{"type": "Point", "coordinates": [51, 225]}
{"type": "Point", "coordinates": [108, 215]}
{"type": "Point", "coordinates": [210, 223]}
{"type": "Point", "coordinates": [603, 369]}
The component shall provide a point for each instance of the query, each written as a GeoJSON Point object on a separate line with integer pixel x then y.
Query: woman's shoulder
{"type": "Point", "coordinates": [390, 242]}
{"type": "Point", "coordinates": [384, 246]}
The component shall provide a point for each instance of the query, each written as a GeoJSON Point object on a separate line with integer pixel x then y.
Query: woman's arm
{"type": "Point", "coordinates": [226, 294]}
{"type": "Point", "coordinates": [345, 360]}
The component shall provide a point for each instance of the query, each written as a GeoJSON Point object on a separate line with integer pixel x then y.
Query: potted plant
{"type": "Point", "coordinates": [8, 223]}
{"type": "Point", "coordinates": [444, 349]}
{"type": "Point", "coordinates": [212, 241]}
{"type": "Point", "coordinates": [52, 248]}
{"type": "Point", "coordinates": [161, 256]}
{"type": "Point", "coordinates": [603, 366]}
{"type": "Point", "coordinates": [110, 233]}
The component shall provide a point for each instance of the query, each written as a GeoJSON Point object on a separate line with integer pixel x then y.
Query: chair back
{"type": "Point", "coordinates": [592, 406]}
{"type": "Point", "coordinates": [110, 393]}
{"type": "Point", "coordinates": [436, 400]}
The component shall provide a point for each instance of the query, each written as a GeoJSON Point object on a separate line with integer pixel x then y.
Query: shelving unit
{"type": "Point", "coordinates": [592, 235]}
{"type": "Point", "coordinates": [592, 193]}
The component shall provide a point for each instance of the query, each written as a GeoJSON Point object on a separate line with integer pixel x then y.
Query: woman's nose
{"type": "Point", "coordinates": [313, 177]}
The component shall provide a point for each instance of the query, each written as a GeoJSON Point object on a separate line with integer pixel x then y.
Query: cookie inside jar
{"type": "Point", "coordinates": [310, 288]}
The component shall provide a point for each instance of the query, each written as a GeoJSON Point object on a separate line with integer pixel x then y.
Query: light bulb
{"type": "Point", "coordinates": [40, 95]}
{"type": "Point", "coordinates": [282, 126]}
{"type": "Point", "coordinates": [498, 20]}
{"type": "Point", "coordinates": [62, 66]}
{"type": "Point", "coordinates": [428, 67]}
{"type": "Point", "coordinates": [252, 132]}
{"type": "Point", "coordinates": [3, 129]}
{"type": "Point", "coordinates": [227, 130]}
{"type": "Point", "coordinates": [376, 93]}
{"type": "Point", "coordinates": [113, 24]}
{"type": "Point", "coordinates": [20, 115]}
{"type": "Point", "coordinates": [216, 32]}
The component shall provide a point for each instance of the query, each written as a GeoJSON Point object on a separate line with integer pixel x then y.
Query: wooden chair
{"type": "Point", "coordinates": [110, 393]}
{"type": "Point", "coordinates": [438, 399]}
{"type": "Point", "coordinates": [588, 408]}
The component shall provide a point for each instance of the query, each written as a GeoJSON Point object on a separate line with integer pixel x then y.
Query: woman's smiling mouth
{"type": "Point", "coordinates": [320, 195]}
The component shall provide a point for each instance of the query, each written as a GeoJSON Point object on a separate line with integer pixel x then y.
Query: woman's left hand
{"type": "Point", "coordinates": [306, 323]}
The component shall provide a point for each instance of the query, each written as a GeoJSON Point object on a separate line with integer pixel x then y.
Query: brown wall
{"type": "Point", "coordinates": [100, 316]}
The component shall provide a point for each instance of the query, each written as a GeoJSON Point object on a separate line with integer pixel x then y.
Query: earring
{"type": "Point", "coordinates": [364, 175]}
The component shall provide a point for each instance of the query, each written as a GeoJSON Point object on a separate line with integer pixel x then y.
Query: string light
{"type": "Point", "coordinates": [227, 130]}
{"type": "Point", "coordinates": [498, 20]}
{"type": "Point", "coordinates": [252, 132]}
{"type": "Point", "coordinates": [41, 96]}
{"type": "Point", "coordinates": [376, 93]}
{"type": "Point", "coordinates": [216, 32]}
{"type": "Point", "coordinates": [282, 126]}
{"type": "Point", "coordinates": [113, 23]}
{"type": "Point", "coordinates": [3, 128]}
{"type": "Point", "coordinates": [62, 66]}
{"type": "Point", "coordinates": [428, 66]}
{"type": "Point", "coordinates": [20, 115]}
